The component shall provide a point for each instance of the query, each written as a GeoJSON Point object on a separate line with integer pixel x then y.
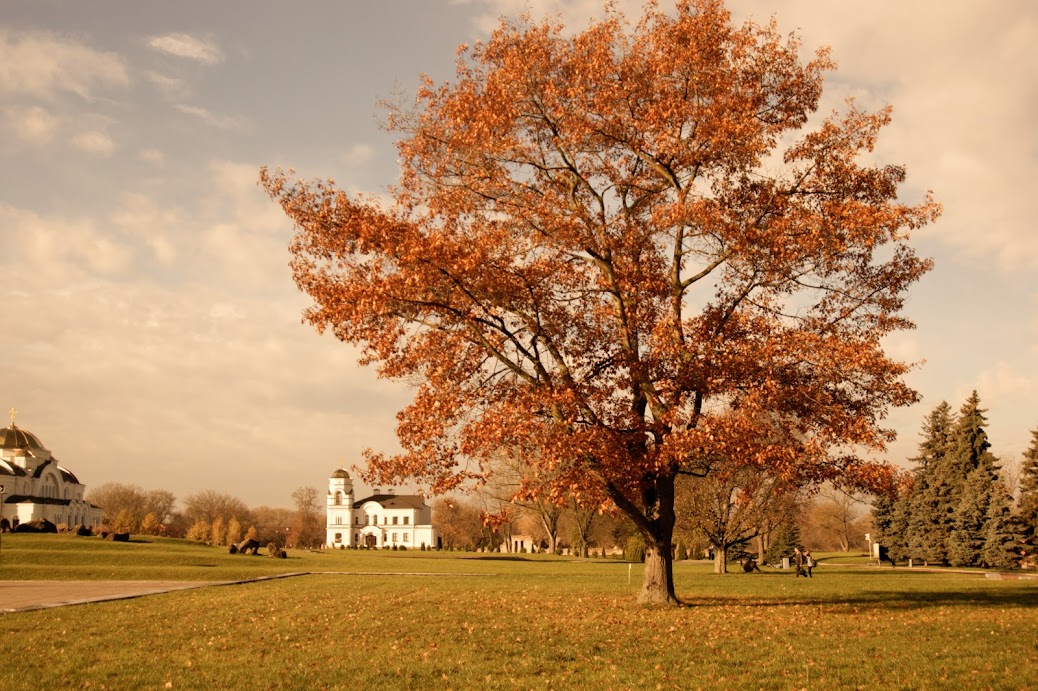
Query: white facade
{"type": "Point", "coordinates": [379, 521]}
{"type": "Point", "coordinates": [36, 486]}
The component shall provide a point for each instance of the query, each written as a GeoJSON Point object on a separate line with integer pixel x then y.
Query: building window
{"type": "Point", "coordinates": [394, 537]}
{"type": "Point", "coordinates": [394, 520]}
{"type": "Point", "coordinates": [338, 537]}
{"type": "Point", "coordinates": [405, 537]}
{"type": "Point", "coordinates": [356, 520]}
{"type": "Point", "coordinates": [407, 519]}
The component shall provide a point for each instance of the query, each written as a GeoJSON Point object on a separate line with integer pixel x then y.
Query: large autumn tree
{"type": "Point", "coordinates": [619, 255]}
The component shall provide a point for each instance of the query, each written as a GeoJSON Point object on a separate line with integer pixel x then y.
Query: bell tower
{"type": "Point", "coordinates": [340, 509]}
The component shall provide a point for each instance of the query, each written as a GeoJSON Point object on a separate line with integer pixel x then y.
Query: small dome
{"type": "Point", "coordinates": [15, 438]}
{"type": "Point", "coordinates": [340, 473]}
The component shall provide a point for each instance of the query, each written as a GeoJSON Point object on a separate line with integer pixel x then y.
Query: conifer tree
{"type": "Point", "coordinates": [924, 515]}
{"type": "Point", "coordinates": [971, 459]}
{"type": "Point", "coordinates": [1028, 502]}
{"type": "Point", "coordinates": [785, 539]}
{"type": "Point", "coordinates": [1027, 506]}
{"type": "Point", "coordinates": [969, 532]}
{"type": "Point", "coordinates": [883, 529]}
{"type": "Point", "coordinates": [1002, 532]}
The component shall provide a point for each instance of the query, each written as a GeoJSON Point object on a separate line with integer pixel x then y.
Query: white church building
{"type": "Point", "coordinates": [381, 521]}
{"type": "Point", "coordinates": [36, 486]}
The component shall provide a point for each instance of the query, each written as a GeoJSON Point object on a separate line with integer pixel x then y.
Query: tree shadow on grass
{"type": "Point", "coordinates": [1014, 596]}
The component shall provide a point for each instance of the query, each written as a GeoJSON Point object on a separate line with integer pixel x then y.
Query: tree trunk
{"type": "Point", "coordinates": [658, 583]}
{"type": "Point", "coordinates": [720, 560]}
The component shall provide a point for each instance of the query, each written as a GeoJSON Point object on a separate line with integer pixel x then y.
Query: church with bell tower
{"type": "Point", "coordinates": [380, 521]}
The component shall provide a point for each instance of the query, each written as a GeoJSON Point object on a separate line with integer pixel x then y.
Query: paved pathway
{"type": "Point", "coordinates": [22, 596]}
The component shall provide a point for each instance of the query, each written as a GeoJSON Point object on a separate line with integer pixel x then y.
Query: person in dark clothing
{"type": "Point", "coordinates": [798, 561]}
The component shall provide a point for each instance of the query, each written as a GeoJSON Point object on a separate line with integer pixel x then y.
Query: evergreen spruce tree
{"type": "Point", "coordinates": [1027, 506]}
{"type": "Point", "coordinates": [926, 514]}
{"type": "Point", "coordinates": [970, 458]}
{"type": "Point", "coordinates": [896, 537]}
{"type": "Point", "coordinates": [1002, 532]}
{"type": "Point", "coordinates": [969, 530]}
{"type": "Point", "coordinates": [883, 517]}
{"type": "Point", "coordinates": [784, 540]}
{"type": "Point", "coordinates": [1028, 502]}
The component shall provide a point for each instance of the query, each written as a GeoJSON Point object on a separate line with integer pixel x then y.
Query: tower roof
{"type": "Point", "coordinates": [340, 473]}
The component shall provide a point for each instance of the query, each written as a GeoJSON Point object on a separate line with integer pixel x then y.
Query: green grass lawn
{"type": "Point", "coordinates": [519, 622]}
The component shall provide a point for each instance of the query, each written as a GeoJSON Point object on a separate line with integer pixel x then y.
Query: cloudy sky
{"type": "Point", "coordinates": [150, 331]}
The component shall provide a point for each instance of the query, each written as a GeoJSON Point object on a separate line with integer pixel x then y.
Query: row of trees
{"type": "Point", "coordinates": [210, 516]}
{"type": "Point", "coordinates": [713, 517]}
{"type": "Point", "coordinates": [957, 507]}
{"type": "Point", "coordinates": [752, 513]}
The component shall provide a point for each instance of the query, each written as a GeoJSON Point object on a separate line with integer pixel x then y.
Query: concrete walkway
{"type": "Point", "coordinates": [23, 596]}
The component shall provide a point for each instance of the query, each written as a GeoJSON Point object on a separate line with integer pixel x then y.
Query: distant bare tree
{"type": "Point", "coordinates": [161, 503]}
{"type": "Point", "coordinates": [208, 505]}
{"type": "Point", "coordinates": [309, 528]}
{"type": "Point", "coordinates": [269, 523]}
{"type": "Point", "coordinates": [121, 503]}
{"type": "Point", "coordinates": [834, 519]}
{"type": "Point", "coordinates": [459, 523]}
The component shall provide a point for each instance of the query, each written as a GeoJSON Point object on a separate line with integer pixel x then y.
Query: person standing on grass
{"type": "Point", "coordinates": [798, 561]}
{"type": "Point", "coordinates": [809, 563]}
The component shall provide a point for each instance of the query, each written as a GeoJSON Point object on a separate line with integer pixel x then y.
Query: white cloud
{"type": "Point", "coordinates": [1002, 380]}
{"type": "Point", "coordinates": [357, 154]}
{"type": "Point", "coordinates": [141, 217]}
{"type": "Point", "coordinates": [236, 190]}
{"type": "Point", "coordinates": [94, 142]}
{"type": "Point", "coordinates": [224, 122]}
{"type": "Point", "coordinates": [34, 124]}
{"type": "Point", "coordinates": [42, 64]}
{"type": "Point", "coordinates": [170, 87]}
{"type": "Point", "coordinates": [59, 247]}
{"type": "Point", "coordinates": [153, 156]}
{"type": "Point", "coordinates": [186, 46]}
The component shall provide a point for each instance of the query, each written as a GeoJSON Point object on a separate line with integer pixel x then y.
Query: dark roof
{"type": "Point", "coordinates": [341, 473]}
{"type": "Point", "coordinates": [395, 501]}
{"type": "Point", "coordinates": [14, 438]}
{"type": "Point", "coordinates": [11, 469]}
{"type": "Point", "coordinates": [68, 476]}
{"type": "Point", "coordinates": [26, 499]}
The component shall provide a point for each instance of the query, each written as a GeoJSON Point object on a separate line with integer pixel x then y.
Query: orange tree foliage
{"type": "Point", "coordinates": [622, 255]}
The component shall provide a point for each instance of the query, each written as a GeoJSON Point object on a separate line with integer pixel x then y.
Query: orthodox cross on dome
{"type": "Point", "coordinates": [12, 412]}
